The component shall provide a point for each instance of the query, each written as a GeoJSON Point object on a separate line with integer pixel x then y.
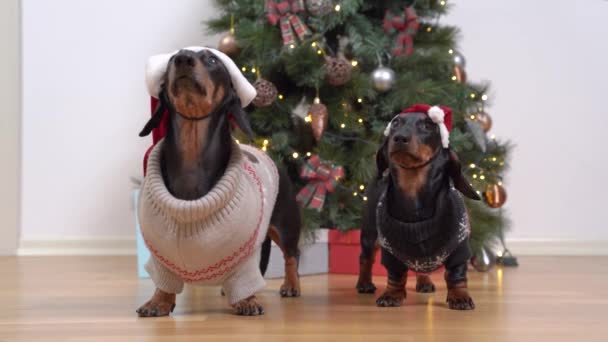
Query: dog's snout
{"type": "Point", "coordinates": [184, 60]}
{"type": "Point", "coordinates": [401, 138]}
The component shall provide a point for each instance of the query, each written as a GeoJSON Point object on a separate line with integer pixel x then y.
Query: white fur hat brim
{"type": "Point", "coordinates": [157, 67]}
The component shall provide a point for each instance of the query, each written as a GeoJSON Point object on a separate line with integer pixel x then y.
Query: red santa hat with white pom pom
{"type": "Point", "coordinates": [442, 116]}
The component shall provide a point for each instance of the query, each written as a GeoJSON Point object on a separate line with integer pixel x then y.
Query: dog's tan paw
{"type": "Point", "coordinates": [248, 307]}
{"type": "Point", "coordinates": [391, 298]}
{"type": "Point", "coordinates": [290, 290]}
{"type": "Point", "coordinates": [161, 304]}
{"type": "Point", "coordinates": [291, 284]}
{"type": "Point", "coordinates": [459, 299]}
{"type": "Point", "coordinates": [366, 287]}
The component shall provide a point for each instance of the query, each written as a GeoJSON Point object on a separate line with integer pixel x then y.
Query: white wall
{"type": "Point", "coordinates": [10, 119]}
{"type": "Point", "coordinates": [84, 102]}
{"type": "Point", "coordinates": [547, 63]}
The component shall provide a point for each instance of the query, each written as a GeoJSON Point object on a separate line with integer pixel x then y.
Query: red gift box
{"type": "Point", "coordinates": [344, 250]}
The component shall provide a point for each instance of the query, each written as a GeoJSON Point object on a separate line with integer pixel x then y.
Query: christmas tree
{"type": "Point", "coordinates": [331, 74]}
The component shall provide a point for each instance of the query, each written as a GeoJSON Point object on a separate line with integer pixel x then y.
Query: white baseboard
{"type": "Point", "coordinates": [127, 246]}
{"type": "Point", "coordinates": [79, 246]}
{"type": "Point", "coordinates": [557, 247]}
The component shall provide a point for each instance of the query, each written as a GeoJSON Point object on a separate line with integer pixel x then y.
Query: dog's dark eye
{"type": "Point", "coordinates": [429, 126]}
{"type": "Point", "coordinates": [395, 123]}
{"type": "Point", "coordinates": [213, 60]}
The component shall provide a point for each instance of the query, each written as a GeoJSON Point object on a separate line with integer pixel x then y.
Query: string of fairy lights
{"type": "Point", "coordinates": [478, 173]}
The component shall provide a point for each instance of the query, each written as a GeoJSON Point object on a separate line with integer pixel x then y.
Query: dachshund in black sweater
{"type": "Point", "coordinates": [415, 212]}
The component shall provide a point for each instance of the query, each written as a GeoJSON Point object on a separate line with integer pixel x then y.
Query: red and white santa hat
{"type": "Point", "coordinates": [440, 115]}
{"type": "Point", "coordinates": [157, 67]}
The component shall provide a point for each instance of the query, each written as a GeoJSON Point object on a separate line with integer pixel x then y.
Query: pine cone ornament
{"type": "Point", "coordinates": [267, 93]}
{"type": "Point", "coordinates": [338, 71]}
{"type": "Point", "coordinates": [319, 7]}
{"type": "Point", "coordinates": [320, 116]}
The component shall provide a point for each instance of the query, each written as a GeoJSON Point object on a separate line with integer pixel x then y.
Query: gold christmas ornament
{"type": "Point", "coordinates": [338, 70]}
{"type": "Point", "coordinates": [229, 45]}
{"type": "Point", "coordinates": [484, 120]}
{"type": "Point", "coordinates": [319, 118]}
{"type": "Point", "coordinates": [495, 195]}
{"type": "Point", "coordinates": [460, 74]}
{"type": "Point", "coordinates": [266, 93]}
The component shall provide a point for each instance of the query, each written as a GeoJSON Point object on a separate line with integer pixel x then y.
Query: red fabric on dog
{"type": "Point", "coordinates": [157, 133]}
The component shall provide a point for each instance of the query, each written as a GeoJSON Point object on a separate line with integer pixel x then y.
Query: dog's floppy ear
{"type": "Point", "coordinates": [157, 117]}
{"type": "Point", "coordinates": [382, 158]}
{"type": "Point", "coordinates": [460, 183]}
{"type": "Point", "coordinates": [239, 115]}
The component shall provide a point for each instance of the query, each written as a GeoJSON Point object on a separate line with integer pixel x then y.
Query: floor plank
{"type": "Point", "coordinates": [94, 299]}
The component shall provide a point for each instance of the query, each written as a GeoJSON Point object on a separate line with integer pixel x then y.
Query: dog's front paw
{"type": "Point", "coordinates": [161, 304]}
{"type": "Point", "coordinates": [391, 298]}
{"type": "Point", "coordinates": [248, 307]}
{"type": "Point", "coordinates": [366, 287]}
{"type": "Point", "coordinates": [290, 290]}
{"type": "Point", "coordinates": [459, 299]}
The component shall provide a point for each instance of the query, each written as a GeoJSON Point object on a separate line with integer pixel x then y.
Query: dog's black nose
{"type": "Point", "coordinates": [184, 60]}
{"type": "Point", "coordinates": [400, 138]}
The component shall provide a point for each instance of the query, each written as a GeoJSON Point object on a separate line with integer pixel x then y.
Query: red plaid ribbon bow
{"type": "Point", "coordinates": [407, 26]}
{"type": "Point", "coordinates": [284, 12]}
{"type": "Point", "coordinates": [322, 179]}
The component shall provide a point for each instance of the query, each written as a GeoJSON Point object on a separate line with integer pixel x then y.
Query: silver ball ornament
{"type": "Point", "coordinates": [383, 78]}
{"type": "Point", "coordinates": [483, 260]}
{"type": "Point", "coordinates": [459, 59]}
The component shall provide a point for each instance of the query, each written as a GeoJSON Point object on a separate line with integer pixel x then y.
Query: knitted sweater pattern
{"type": "Point", "coordinates": [215, 239]}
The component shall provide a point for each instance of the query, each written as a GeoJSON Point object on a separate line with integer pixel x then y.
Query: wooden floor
{"type": "Point", "coordinates": [94, 299]}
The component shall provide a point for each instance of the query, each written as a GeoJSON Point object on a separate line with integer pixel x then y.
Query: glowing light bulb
{"type": "Point", "coordinates": [308, 118]}
{"type": "Point", "coordinates": [237, 141]}
{"type": "Point", "coordinates": [360, 100]}
{"type": "Point", "coordinates": [484, 97]}
{"type": "Point", "coordinates": [308, 154]}
{"type": "Point", "coordinates": [493, 136]}
{"type": "Point", "coordinates": [355, 194]}
{"type": "Point", "coordinates": [360, 120]}
{"type": "Point", "coordinates": [500, 183]}
{"type": "Point", "coordinates": [494, 159]}
{"type": "Point", "coordinates": [472, 117]}
{"type": "Point", "coordinates": [365, 198]}
{"type": "Point", "coordinates": [472, 95]}
{"type": "Point", "coordinates": [475, 176]}
{"type": "Point", "coordinates": [264, 148]}
{"type": "Point", "coordinates": [280, 96]}
{"type": "Point", "coordinates": [450, 51]}
{"type": "Point", "coordinates": [361, 187]}
{"type": "Point", "coordinates": [354, 63]}
{"type": "Point", "coordinates": [244, 69]}
{"type": "Point", "coordinates": [253, 70]}
{"type": "Point", "coordinates": [472, 166]}
{"type": "Point", "coordinates": [265, 141]}
{"type": "Point", "coordinates": [454, 78]}
{"type": "Point", "coordinates": [314, 44]}
{"type": "Point", "coordinates": [429, 29]}
{"type": "Point", "coordinates": [442, 3]}
{"type": "Point", "coordinates": [342, 125]}
{"type": "Point", "coordinates": [319, 52]}
{"type": "Point", "coordinates": [482, 177]}
{"type": "Point", "coordinates": [295, 155]}
{"type": "Point", "coordinates": [338, 8]}
{"type": "Point", "coordinates": [292, 46]}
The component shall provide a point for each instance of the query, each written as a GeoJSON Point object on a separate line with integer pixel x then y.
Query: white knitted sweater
{"type": "Point", "coordinates": [215, 239]}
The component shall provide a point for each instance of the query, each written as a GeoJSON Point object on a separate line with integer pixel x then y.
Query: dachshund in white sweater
{"type": "Point", "coordinates": [209, 206]}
